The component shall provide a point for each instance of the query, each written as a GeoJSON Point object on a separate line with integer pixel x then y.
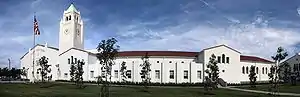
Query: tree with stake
{"type": "Point", "coordinates": [123, 71]}
{"type": "Point", "coordinates": [43, 63]}
{"type": "Point", "coordinates": [252, 76]}
{"type": "Point", "coordinates": [108, 51]}
{"type": "Point", "coordinates": [145, 72]}
{"type": "Point", "coordinates": [273, 75]}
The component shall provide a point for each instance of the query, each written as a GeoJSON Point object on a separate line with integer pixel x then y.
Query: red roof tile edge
{"type": "Point", "coordinates": [184, 54]}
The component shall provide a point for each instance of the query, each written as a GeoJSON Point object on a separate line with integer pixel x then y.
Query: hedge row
{"type": "Point", "coordinates": [168, 84]}
{"type": "Point", "coordinates": [140, 83]}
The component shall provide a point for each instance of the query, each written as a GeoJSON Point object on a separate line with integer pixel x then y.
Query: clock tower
{"type": "Point", "coordinates": [71, 30]}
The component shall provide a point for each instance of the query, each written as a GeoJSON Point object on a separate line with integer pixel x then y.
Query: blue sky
{"type": "Point", "coordinates": [254, 27]}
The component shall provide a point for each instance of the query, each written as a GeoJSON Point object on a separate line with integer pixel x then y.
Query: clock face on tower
{"type": "Point", "coordinates": [66, 31]}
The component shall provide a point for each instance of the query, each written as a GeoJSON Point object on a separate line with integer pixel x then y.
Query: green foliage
{"type": "Point", "coordinates": [252, 76]}
{"type": "Point", "coordinates": [123, 71]}
{"type": "Point", "coordinates": [43, 63]}
{"type": "Point", "coordinates": [145, 72]}
{"type": "Point", "coordinates": [212, 71]}
{"type": "Point", "coordinates": [107, 53]}
{"type": "Point", "coordinates": [76, 72]}
{"type": "Point", "coordinates": [72, 72]}
{"type": "Point", "coordinates": [10, 74]}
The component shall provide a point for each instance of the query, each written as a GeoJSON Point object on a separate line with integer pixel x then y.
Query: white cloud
{"type": "Point", "coordinates": [249, 38]}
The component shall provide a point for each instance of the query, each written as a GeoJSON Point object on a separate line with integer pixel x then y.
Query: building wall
{"type": "Point", "coordinates": [262, 75]}
{"type": "Point", "coordinates": [64, 65]}
{"type": "Point", "coordinates": [227, 70]}
{"type": "Point", "coordinates": [40, 51]}
{"type": "Point", "coordinates": [294, 63]}
{"type": "Point", "coordinates": [161, 64]}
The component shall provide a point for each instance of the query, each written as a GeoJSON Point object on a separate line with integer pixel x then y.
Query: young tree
{"type": "Point", "coordinates": [252, 76]}
{"type": "Point", "coordinates": [72, 72]}
{"type": "Point", "coordinates": [108, 51]}
{"type": "Point", "coordinates": [43, 63]}
{"type": "Point", "coordinates": [76, 72]}
{"type": "Point", "coordinates": [145, 72]}
{"type": "Point", "coordinates": [212, 71]}
{"type": "Point", "coordinates": [123, 71]}
{"type": "Point", "coordinates": [273, 75]}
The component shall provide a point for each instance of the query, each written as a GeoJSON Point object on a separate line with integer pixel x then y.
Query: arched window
{"type": "Point", "coordinates": [69, 61]}
{"type": "Point", "coordinates": [256, 70]}
{"type": "Point", "coordinates": [223, 58]}
{"type": "Point", "coordinates": [70, 17]}
{"type": "Point", "coordinates": [227, 59]}
{"type": "Point", "coordinates": [266, 70]}
{"type": "Point", "coordinates": [67, 18]}
{"type": "Point", "coordinates": [263, 70]}
{"type": "Point", "coordinates": [247, 69]}
{"type": "Point", "coordinates": [243, 70]}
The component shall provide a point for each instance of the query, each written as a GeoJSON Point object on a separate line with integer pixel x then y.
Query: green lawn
{"type": "Point", "coordinates": [66, 90]}
{"type": "Point", "coordinates": [287, 88]}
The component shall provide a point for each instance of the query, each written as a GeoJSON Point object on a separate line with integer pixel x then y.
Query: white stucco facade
{"type": "Point", "coordinates": [294, 63]}
{"type": "Point", "coordinates": [166, 66]}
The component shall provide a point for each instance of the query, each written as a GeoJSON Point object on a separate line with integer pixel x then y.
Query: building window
{"type": "Point", "coordinates": [182, 62]}
{"type": "Point", "coordinates": [170, 61]}
{"type": "Point", "coordinates": [157, 61]}
{"type": "Point", "coordinates": [185, 74]}
{"type": "Point", "coordinates": [219, 59]}
{"type": "Point", "coordinates": [72, 60]}
{"type": "Point", "coordinates": [295, 67]}
{"type": "Point", "coordinates": [227, 59]}
{"type": "Point", "coordinates": [75, 60]}
{"type": "Point", "coordinates": [223, 58]}
{"type": "Point", "coordinates": [223, 70]}
{"type": "Point", "coordinates": [171, 74]}
{"type": "Point", "coordinates": [256, 70]}
{"type": "Point", "coordinates": [128, 73]}
{"type": "Point", "coordinates": [116, 74]}
{"type": "Point", "coordinates": [66, 75]}
{"type": "Point", "coordinates": [263, 70]}
{"type": "Point", "coordinates": [69, 61]}
{"type": "Point", "coordinates": [69, 17]}
{"type": "Point", "coordinates": [266, 70]}
{"type": "Point", "coordinates": [243, 70]}
{"type": "Point", "coordinates": [157, 74]}
{"type": "Point", "coordinates": [199, 74]}
{"type": "Point", "coordinates": [247, 70]}
{"type": "Point", "coordinates": [92, 74]}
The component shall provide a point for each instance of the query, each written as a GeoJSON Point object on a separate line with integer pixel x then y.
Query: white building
{"type": "Point", "coordinates": [167, 66]}
{"type": "Point", "coordinates": [294, 63]}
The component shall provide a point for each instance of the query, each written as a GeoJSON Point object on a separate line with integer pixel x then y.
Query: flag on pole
{"type": "Point", "coordinates": [36, 27]}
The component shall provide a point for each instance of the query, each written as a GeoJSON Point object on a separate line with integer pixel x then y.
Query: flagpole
{"type": "Point", "coordinates": [33, 53]}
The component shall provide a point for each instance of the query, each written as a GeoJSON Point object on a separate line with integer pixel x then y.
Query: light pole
{"type": "Point", "coordinates": [8, 63]}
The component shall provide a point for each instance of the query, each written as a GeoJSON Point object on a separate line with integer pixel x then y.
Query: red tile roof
{"type": "Point", "coordinates": [255, 59]}
{"type": "Point", "coordinates": [158, 53]}
{"type": "Point", "coordinates": [184, 54]}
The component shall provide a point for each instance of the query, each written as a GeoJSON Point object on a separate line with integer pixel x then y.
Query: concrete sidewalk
{"type": "Point", "coordinates": [264, 92]}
